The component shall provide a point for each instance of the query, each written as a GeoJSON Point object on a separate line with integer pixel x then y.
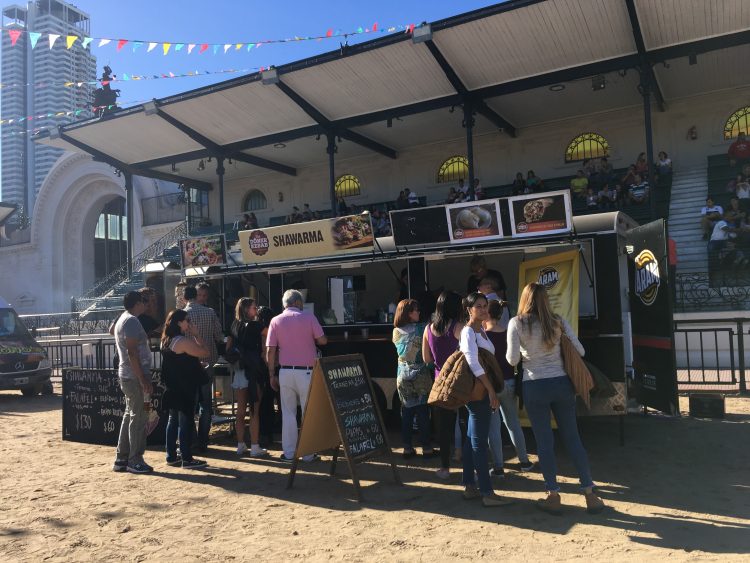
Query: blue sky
{"type": "Point", "coordinates": [235, 21]}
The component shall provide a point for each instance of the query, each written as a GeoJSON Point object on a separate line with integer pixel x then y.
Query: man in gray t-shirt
{"type": "Point", "coordinates": [135, 381]}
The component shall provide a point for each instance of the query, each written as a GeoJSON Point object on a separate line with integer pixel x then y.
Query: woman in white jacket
{"type": "Point", "coordinates": [534, 334]}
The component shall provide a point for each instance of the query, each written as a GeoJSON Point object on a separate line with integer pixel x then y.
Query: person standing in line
{"type": "Point", "coordinates": [181, 371]}
{"type": "Point", "coordinates": [207, 324]}
{"type": "Point", "coordinates": [535, 334]}
{"type": "Point", "coordinates": [293, 335]}
{"type": "Point", "coordinates": [412, 381]}
{"type": "Point", "coordinates": [439, 341]}
{"type": "Point", "coordinates": [270, 396]}
{"type": "Point", "coordinates": [496, 327]}
{"type": "Point", "coordinates": [134, 372]}
{"type": "Point", "coordinates": [251, 378]}
{"type": "Point", "coordinates": [475, 463]}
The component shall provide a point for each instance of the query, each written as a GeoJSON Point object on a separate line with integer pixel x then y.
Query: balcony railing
{"type": "Point", "coordinates": [15, 237]}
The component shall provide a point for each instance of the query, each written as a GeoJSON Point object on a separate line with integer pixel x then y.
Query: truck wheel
{"type": "Point", "coordinates": [47, 388]}
{"type": "Point", "coordinates": [31, 390]}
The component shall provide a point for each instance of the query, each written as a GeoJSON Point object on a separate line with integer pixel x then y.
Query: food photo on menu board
{"type": "Point", "coordinates": [474, 220]}
{"type": "Point", "coordinates": [540, 214]}
{"type": "Point", "coordinates": [351, 232]}
{"type": "Point", "coordinates": [203, 251]}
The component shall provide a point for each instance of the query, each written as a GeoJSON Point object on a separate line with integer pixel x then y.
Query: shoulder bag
{"type": "Point", "coordinates": [576, 369]}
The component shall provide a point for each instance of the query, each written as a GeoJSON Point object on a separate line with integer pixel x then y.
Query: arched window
{"type": "Point", "coordinates": [255, 200]}
{"type": "Point", "coordinates": [453, 169]}
{"type": "Point", "coordinates": [739, 121]}
{"type": "Point", "coordinates": [585, 146]}
{"type": "Point", "coordinates": [347, 185]}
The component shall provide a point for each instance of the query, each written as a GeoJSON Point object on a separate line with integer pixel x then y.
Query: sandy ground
{"type": "Point", "coordinates": [678, 489]}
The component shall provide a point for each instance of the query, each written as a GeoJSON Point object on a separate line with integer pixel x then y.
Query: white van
{"type": "Point", "coordinates": [23, 363]}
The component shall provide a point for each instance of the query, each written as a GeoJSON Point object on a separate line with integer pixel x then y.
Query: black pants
{"type": "Point", "coordinates": [446, 424]}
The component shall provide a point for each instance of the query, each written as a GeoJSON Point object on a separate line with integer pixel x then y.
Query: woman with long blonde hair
{"type": "Point", "coordinates": [535, 334]}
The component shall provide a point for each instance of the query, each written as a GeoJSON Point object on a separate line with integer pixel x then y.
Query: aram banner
{"type": "Point", "coordinates": [474, 220]}
{"type": "Point", "coordinates": [558, 273]}
{"type": "Point", "coordinates": [202, 252]}
{"type": "Point", "coordinates": [540, 214]}
{"type": "Point", "coordinates": [327, 237]}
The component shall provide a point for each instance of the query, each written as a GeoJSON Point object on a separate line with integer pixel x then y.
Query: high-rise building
{"type": "Point", "coordinates": [34, 84]}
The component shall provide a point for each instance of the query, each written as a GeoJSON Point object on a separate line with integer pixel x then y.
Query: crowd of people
{"type": "Point", "coordinates": [276, 354]}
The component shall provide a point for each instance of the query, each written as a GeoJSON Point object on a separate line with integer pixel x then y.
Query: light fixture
{"type": "Point", "coordinates": [149, 108]}
{"type": "Point", "coordinates": [598, 82]}
{"type": "Point", "coordinates": [693, 59]}
{"type": "Point", "coordinates": [270, 76]}
{"type": "Point", "coordinates": [422, 33]}
{"type": "Point", "coordinates": [201, 166]}
{"type": "Point", "coordinates": [557, 88]}
{"type": "Point", "coordinates": [279, 146]}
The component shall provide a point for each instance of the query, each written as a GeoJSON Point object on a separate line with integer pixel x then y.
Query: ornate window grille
{"type": "Point", "coordinates": [738, 122]}
{"type": "Point", "coordinates": [453, 169]}
{"type": "Point", "coordinates": [585, 146]}
{"type": "Point", "coordinates": [255, 200]}
{"type": "Point", "coordinates": [347, 185]}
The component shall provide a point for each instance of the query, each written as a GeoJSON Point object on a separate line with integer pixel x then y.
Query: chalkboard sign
{"type": "Point", "coordinates": [342, 411]}
{"type": "Point", "coordinates": [93, 404]}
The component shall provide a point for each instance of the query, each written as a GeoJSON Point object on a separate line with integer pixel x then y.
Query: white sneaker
{"type": "Point", "coordinates": [258, 452]}
{"type": "Point", "coordinates": [241, 448]}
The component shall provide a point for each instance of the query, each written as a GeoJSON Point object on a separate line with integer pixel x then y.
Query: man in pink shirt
{"type": "Point", "coordinates": [293, 335]}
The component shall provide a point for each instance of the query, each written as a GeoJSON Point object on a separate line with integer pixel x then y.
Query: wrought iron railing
{"type": "Point", "coordinates": [166, 208]}
{"type": "Point", "coordinates": [106, 284]}
{"type": "Point", "coordinates": [702, 291]}
{"type": "Point", "coordinates": [68, 324]}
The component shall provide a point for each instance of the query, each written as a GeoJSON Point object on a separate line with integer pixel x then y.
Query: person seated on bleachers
{"type": "Point", "coordinates": [478, 190]}
{"type": "Point", "coordinates": [605, 171]}
{"type": "Point", "coordinates": [629, 176]}
{"type": "Point", "coordinates": [606, 197]}
{"type": "Point", "coordinates": [710, 214]}
{"type": "Point", "coordinates": [664, 165]}
{"type": "Point", "coordinates": [519, 184]}
{"type": "Point", "coordinates": [732, 184]}
{"type": "Point", "coordinates": [641, 165]}
{"type": "Point", "coordinates": [249, 221]}
{"type": "Point", "coordinates": [742, 192]}
{"type": "Point", "coordinates": [734, 214]}
{"type": "Point", "coordinates": [638, 190]}
{"type": "Point", "coordinates": [294, 216]}
{"type": "Point", "coordinates": [463, 190]}
{"type": "Point", "coordinates": [451, 196]}
{"type": "Point", "coordinates": [307, 214]}
{"type": "Point", "coordinates": [720, 238]}
{"type": "Point", "coordinates": [620, 195]}
{"type": "Point", "coordinates": [592, 200]}
{"type": "Point", "coordinates": [591, 168]}
{"type": "Point", "coordinates": [739, 150]}
{"type": "Point", "coordinates": [533, 182]}
{"type": "Point", "coordinates": [401, 201]}
{"type": "Point", "coordinates": [380, 225]}
{"type": "Point", "coordinates": [412, 198]}
{"type": "Point", "coordinates": [579, 185]}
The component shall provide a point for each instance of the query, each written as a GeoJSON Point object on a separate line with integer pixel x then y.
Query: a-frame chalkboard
{"type": "Point", "coordinates": [342, 411]}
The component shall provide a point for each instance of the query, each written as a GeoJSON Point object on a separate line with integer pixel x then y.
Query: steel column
{"type": "Point", "coordinates": [646, 91]}
{"type": "Point", "coordinates": [220, 173]}
{"type": "Point", "coordinates": [331, 150]}
{"type": "Point", "coordinates": [129, 196]}
{"type": "Point", "coordinates": [469, 125]}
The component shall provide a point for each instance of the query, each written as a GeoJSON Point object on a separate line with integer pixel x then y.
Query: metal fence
{"type": "Point", "coordinates": [717, 291]}
{"type": "Point", "coordinates": [88, 353]}
{"type": "Point", "coordinates": [710, 354]}
{"type": "Point", "coordinates": [69, 324]}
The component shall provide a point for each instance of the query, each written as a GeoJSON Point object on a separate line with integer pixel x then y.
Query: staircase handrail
{"type": "Point", "coordinates": [100, 288]}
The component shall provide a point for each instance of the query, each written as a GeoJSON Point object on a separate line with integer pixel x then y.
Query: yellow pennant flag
{"type": "Point", "coordinates": [238, 46]}
{"type": "Point", "coordinates": [166, 47]}
{"type": "Point", "coordinates": [71, 39]}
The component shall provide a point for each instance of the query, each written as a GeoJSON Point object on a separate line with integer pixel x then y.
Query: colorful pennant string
{"type": "Point", "coordinates": [70, 40]}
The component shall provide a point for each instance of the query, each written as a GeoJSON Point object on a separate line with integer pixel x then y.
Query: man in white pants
{"type": "Point", "coordinates": [293, 334]}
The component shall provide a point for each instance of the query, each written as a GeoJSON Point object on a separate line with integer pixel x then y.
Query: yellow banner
{"type": "Point", "coordinates": [313, 239]}
{"type": "Point", "coordinates": [558, 273]}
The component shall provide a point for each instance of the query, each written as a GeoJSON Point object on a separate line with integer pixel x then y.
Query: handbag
{"type": "Point", "coordinates": [576, 369]}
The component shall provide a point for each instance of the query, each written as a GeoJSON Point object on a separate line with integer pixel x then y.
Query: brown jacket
{"type": "Point", "coordinates": [453, 387]}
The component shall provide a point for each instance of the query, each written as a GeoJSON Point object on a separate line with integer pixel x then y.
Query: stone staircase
{"type": "Point", "coordinates": [689, 188]}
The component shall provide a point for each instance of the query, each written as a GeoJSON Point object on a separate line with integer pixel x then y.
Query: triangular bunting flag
{"type": "Point", "coordinates": [14, 35]}
{"type": "Point", "coordinates": [204, 48]}
{"type": "Point", "coordinates": [86, 41]}
{"type": "Point", "coordinates": [34, 37]}
{"type": "Point", "coordinates": [70, 39]}
{"type": "Point", "coordinates": [166, 47]}
{"type": "Point", "coordinates": [250, 46]}
{"type": "Point", "coordinates": [120, 44]}
{"type": "Point", "coordinates": [216, 49]}
{"type": "Point", "coordinates": [375, 26]}
{"type": "Point", "coordinates": [52, 38]}
{"type": "Point", "coordinates": [171, 75]}
{"type": "Point", "coordinates": [125, 77]}
{"type": "Point", "coordinates": [227, 47]}
{"type": "Point", "coordinates": [238, 46]}
{"type": "Point", "coordinates": [329, 33]}
{"type": "Point", "coordinates": [179, 46]}
{"type": "Point", "coordinates": [151, 47]}
{"type": "Point", "coordinates": [360, 30]}
{"type": "Point", "coordinates": [137, 45]}
{"type": "Point", "coordinates": [68, 84]}
{"type": "Point", "coordinates": [191, 46]}
{"type": "Point", "coordinates": [103, 42]}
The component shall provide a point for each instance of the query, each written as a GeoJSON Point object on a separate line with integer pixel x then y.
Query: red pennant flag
{"type": "Point", "coordinates": [204, 48]}
{"type": "Point", "coordinates": [121, 43]}
{"type": "Point", "coordinates": [411, 28]}
{"type": "Point", "coordinates": [14, 35]}
{"type": "Point", "coordinates": [375, 26]}
{"type": "Point", "coordinates": [329, 33]}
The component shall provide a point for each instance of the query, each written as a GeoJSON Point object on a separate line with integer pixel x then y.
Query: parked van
{"type": "Point", "coordinates": [23, 363]}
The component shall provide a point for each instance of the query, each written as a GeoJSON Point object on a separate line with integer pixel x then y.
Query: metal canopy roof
{"type": "Point", "coordinates": [500, 59]}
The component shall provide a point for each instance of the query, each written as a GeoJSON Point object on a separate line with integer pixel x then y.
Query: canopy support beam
{"type": "Point", "coordinates": [640, 44]}
{"type": "Point", "coordinates": [647, 125]}
{"type": "Point", "coordinates": [329, 126]}
{"type": "Point", "coordinates": [460, 88]}
{"type": "Point", "coordinates": [129, 197]}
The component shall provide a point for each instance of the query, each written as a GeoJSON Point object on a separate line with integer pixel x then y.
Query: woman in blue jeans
{"type": "Point", "coordinates": [413, 380]}
{"type": "Point", "coordinates": [474, 458]}
{"type": "Point", "coordinates": [534, 334]}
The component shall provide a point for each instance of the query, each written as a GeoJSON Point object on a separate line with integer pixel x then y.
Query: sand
{"type": "Point", "coordinates": [678, 489]}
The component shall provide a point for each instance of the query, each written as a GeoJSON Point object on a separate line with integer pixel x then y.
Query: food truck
{"type": "Point", "coordinates": [597, 269]}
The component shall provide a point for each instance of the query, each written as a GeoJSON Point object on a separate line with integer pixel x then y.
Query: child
{"type": "Point", "coordinates": [488, 287]}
